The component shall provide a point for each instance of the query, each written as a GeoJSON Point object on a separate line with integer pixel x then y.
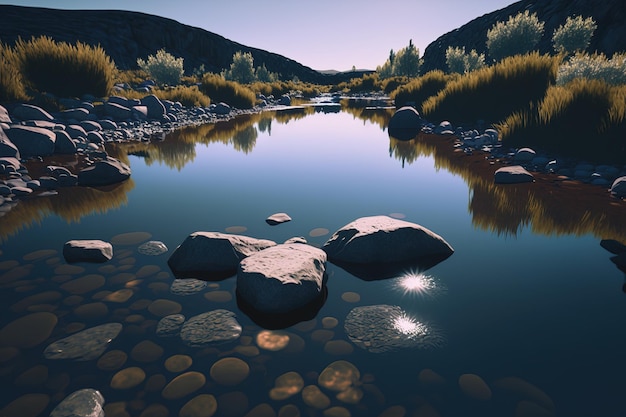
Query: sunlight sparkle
{"type": "Point", "coordinates": [408, 326]}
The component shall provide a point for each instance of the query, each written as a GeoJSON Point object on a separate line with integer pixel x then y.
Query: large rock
{"type": "Point", "coordinates": [156, 109]}
{"type": "Point", "coordinates": [380, 246]}
{"type": "Point", "coordinates": [87, 251]}
{"type": "Point", "coordinates": [117, 111]}
{"type": "Point", "coordinates": [4, 116]}
{"type": "Point", "coordinates": [104, 172]}
{"type": "Point", "coordinates": [405, 123]}
{"type": "Point", "coordinates": [514, 174]}
{"type": "Point", "coordinates": [32, 141]}
{"type": "Point", "coordinates": [618, 188]}
{"type": "Point", "coordinates": [282, 278]}
{"type": "Point", "coordinates": [64, 143]}
{"type": "Point", "coordinates": [213, 255]}
{"type": "Point", "coordinates": [30, 112]}
{"type": "Point", "coordinates": [78, 114]}
{"type": "Point", "coordinates": [86, 402]}
{"type": "Point", "coordinates": [7, 148]}
{"type": "Point", "coordinates": [86, 345]}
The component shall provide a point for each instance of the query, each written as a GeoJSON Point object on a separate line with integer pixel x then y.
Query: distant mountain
{"type": "Point", "coordinates": [610, 37]}
{"type": "Point", "coordinates": [126, 36]}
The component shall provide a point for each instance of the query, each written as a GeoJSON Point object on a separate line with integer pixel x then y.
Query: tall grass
{"type": "Point", "coordinates": [420, 89]}
{"type": "Point", "coordinates": [63, 69]}
{"type": "Point", "coordinates": [11, 83]}
{"type": "Point", "coordinates": [390, 84]}
{"type": "Point", "coordinates": [495, 92]}
{"type": "Point", "coordinates": [365, 84]}
{"type": "Point", "coordinates": [230, 92]}
{"type": "Point", "coordinates": [584, 118]}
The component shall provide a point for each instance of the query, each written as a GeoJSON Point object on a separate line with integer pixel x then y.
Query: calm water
{"type": "Point", "coordinates": [529, 302]}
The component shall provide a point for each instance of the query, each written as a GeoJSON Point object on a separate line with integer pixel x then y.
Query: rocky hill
{"type": "Point", "coordinates": [610, 37]}
{"type": "Point", "coordinates": [126, 36]}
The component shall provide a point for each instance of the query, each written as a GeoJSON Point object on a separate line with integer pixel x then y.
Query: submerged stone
{"type": "Point", "coordinates": [170, 326]}
{"type": "Point", "coordinates": [213, 327]}
{"type": "Point", "coordinates": [86, 345]}
{"type": "Point", "coordinates": [152, 248]}
{"type": "Point", "coordinates": [183, 385]}
{"type": "Point", "coordinates": [28, 331]}
{"type": "Point", "coordinates": [229, 371]}
{"type": "Point", "coordinates": [82, 403]}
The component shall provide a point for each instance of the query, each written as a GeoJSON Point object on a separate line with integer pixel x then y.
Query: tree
{"type": "Point", "coordinates": [407, 61]}
{"type": "Point", "coordinates": [264, 75]}
{"type": "Point", "coordinates": [460, 62]}
{"type": "Point", "coordinates": [574, 35]}
{"type": "Point", "coordinates": [241, 69]}
{"type": "Point", "coordinates": [163, 67]}
{"type": "Point", "coordinates": [517, 36]}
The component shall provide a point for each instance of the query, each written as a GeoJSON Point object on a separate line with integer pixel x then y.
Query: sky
{"type": "Point", "coordinates": [321, 34]}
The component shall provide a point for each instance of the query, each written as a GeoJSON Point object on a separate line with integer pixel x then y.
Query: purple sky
{"type": "Point", "coordinates": [321, 34]}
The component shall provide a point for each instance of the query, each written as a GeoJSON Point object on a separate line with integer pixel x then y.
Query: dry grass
{"type": "Point", "coordinates": [420, 89]}
{"type": "Point", "coordinates": [230, 92]}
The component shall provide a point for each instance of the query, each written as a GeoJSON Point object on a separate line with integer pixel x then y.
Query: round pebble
{"type": "Point", "coordinates": [43, 297]}
{"type": "Point", "coordinates": [474, 387]}
{"type": "Point", "coordinates": [147, 270]}
{"type": "Point", "coordinates": [69, 269]}
{"type": "Point", "coordinates": [28, 405]}
{"type": "Point", "coordinates": [119, 296]}
{"type": "Point", "coordinates": [429, 378]}
{"type": "Point", "coordinates": [128, 378]}
{"type": "Point", "coordinates": [112, 361]}
{"type": "Point", "coordinates": [156, 383]}
{"type": "Point", "coordinates": [338, 347]}
{"type": "Point", "coordinates": [351, 395]}
{"type": "Point", "coordinates": [319, 231]}
{"type": "Point", "coordinates": [10, 264]}
{"type": "Point", "coordinates": [152, 248]}
{"type": "Point", "coordinates": [329, 322]}
{"type": "Point", "coordinates": [36, 375]}
{"type": "Point", "coordinates": [339, 376]}
{"type": "Point", "coordinates": [287, 385]}
{"type": "Point", "coordinates": [249, 351]}
{"type": "Point", "coordinates": [183, 385]}
{"type": "Point", "coordinates": [84, 284]}
{"type": "Point", "coordinates": [272, 340]}
{"type": "Point", "coordinates": [337, 412]}
{"type": "Point", "coordinates": [28, 331]}
{"type": "Point", "coordinates": [178, 363]}
{"type": "Point", "coordinates": [155, 410]}
{"type": "Point", "coordinates": [218, 296]}
{"type": "Point", "coordinates": [322, 335]}
{"type": "Point", "coordinates": [313, 397]}
{"type": "Point", "coordinates": [229, 371]}
{"type": "Point", "coordinates": [132, 238]}
{"type": "Point", "coordinates": [261, 410]}
{"type": "Point", "coordinates": [350, 297]}
{"type": "Point", "coordinates": [397, 215]}
{"type": "Point", "coordinates": [91, 311]}
{"type": "Point", "coordinates": [146, 351]}
{"type": "Point", "coordinates": [289, 410]}
{"type": "Point", "coordinates": [164, 307]}
{"type": "Point", "coordinates": [39, 255]}
{"type": "Point", "coordinates": [204, 405]}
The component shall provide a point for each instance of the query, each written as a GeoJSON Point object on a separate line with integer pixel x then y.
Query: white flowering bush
{"type": "Point", "coordinates": [163, 67]}
{"type": "Point", "coordinates": [574, 35]}
{"type": "Point", "coordinates": [595, 67]}
{"type": "Point", "coordinates": [241, 69]}
{"type": "Point", "coordinates": [517, 36]}
{"type": "Point", "coordinates": [460, 62]}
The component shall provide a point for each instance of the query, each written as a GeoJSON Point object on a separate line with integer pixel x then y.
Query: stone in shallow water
{"type": "Point", "coordinates": [313, 397]}
{"type": "Point", "coordinates": [86, 345]}
{"type": "Point", "coordinates": [170, 326]}
{"type": "Point", "coordinates": [183, 385]}
{"type": "Point", "coordinates": [474, 387]}
{"type": "Point", "coordinates": [187, 286]}
{"type": "Point", "coordinates": [339, 376]}
{"type": "Point", "coordinates": [163, 307]}
{"type": "Point", "coordinates": [128, 378]}
{"type": "Point", "coordinates": [82, 403]}
{"type": "Point", "coordinates": [272, 340]}
{"type": "Point", "coordinates": [278, 218]}
{"type": "Point", "coordinates": [152, 248]}
{"type": "Point", "coordinates": [286, 385]}
{"type": "Point", "coordinates": [383, 328]}
{"type": "Point", "coordinates": [87, 251]}
{"type": "Point", "coordinates": [229, 371]}
{"type": "Point", "coordinates": [514, 174]}
{"type": "Point", "coordinates": [213, 327]}
{"type": "Point", "coordinates": [28, 405]}
{"type": "Point", "coordinates": [28, 331]}
{"type": "Point", "coordinates": [204, 405]}
{"type": "Point", "coordinates": [178, 363]}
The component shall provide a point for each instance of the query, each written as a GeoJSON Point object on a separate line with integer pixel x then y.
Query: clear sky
{"type": "Point", "coordinates": [321, 34]}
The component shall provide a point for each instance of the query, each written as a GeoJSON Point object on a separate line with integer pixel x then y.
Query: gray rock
{"type": "Point", "coordinates": [90, 126]}
{"type": "Point", "coordinates": [155, 108]}
{"type": "Point", "coordinates": [104, 172]}
{"type": "Point", "coordinates": [86, 345]}
{"type": "Point", "coordinates": [284, 100]}
{"type": "Point", "coordinates": [213, 254]}
{"type": "Point", "coordinates": [4, 116]}
{"type": "Point", "coordinates": [30, 112]}
{"type": "Point", "coordinates": [108, 124]}
{"type": "Point", "coordinates": [278, 218]}
{"type": "Point", "coordinates": [58, 171]}
{"type": "Point", "coordinates": [87, 251]}
{"type": "Point", "coordinates": [444, 126]}
{"type": "Point", "coordinates": [139, 112]}
{"type": "Point", "coordinates": [282, 278]}
{"type": "Point", "coordinates": [5, 190]}
{"type": "Point", "coordinates": [122, 101]}
{"type": "Point", "coordinates": [169, 326]}
{"type": "Point", "coordinates": [382, 239]}
{"type": "Point", "coordinates": [48, 183]}
{"type": "Point", "coordinates": [618, 188]}
{"type": "Point", "coordinates": [32, 141]}
{"type": "Point", "coordinates": [405, 118]}
{"type": "Point", "coordinates": [214, 327]}
{"type": "Point", "coordinates": [10, 162]}
{"type": "Point", "coordinates": [524, 155]}
{"type": "Point", "coordinates": [117, 111]}
{"type": "Point", "coordinates": [296, 239]}
{"type": "Point", "coordinates": [64, 143]}
{"type": "Point", "coordinates": [95, 137]}
{"type": "Point", "coordinates": [514, 174]}
{"type": "Point", "coordinates": [76, 131]}
{"type": "Point", "coordinates": [86, 402]}
{"type": "Point", "coordinates": [613, 246]}
{"type": "Point", "coordinates": [221, 108]}
{"type": "Point", "coordinates": [21, 191]}
{"type": "Point", "coordinates": [7, 148]}
{"type": "Point", "coordinates": [78, 114]}
{"type": "Point", "coordinates": [152, 248]}
{"type": "Point", "coordinates": [188, 286]}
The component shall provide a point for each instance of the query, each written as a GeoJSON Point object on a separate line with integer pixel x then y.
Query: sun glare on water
{"type": "Point", "coordinates": [418, 284]}
{"type": "Point", "coordinates": [409, 326]}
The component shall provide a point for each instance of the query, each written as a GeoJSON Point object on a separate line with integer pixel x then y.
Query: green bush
{"type": "Point", "coordinates": [241, 69]}
{"type": "Point", "coordinates": [390, 84]}
{"type": "Point", "coordinates": [517, 36]}
{"type": "Point", "coordinates": [593, 67]}
{"type": "Point", "coordinates": [64, 70]}
{"type": "Point", "coordinates": [495, 92]}
{"type": "Point", "coordinates": [230, 92]}
{"type": "Point", "coordinates": [164, 68]}
{"type": "Point", "coordinates": [460, 62]}
{"type": "Point", "coordinates": [585, 118]}
{"type": "Point", "coordinates": [11, 84]}
{"type": "Point", "coordinates": [574, 35]}
{"type": "Point", "coordinates": [420, 89]}
{"type": "Point", "coordinates": [406, 62]}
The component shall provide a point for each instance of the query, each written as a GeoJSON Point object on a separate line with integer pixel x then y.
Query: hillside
{"type": "Point", "coordinates": [126, 36]}
{"type": "Point", "coordinates": [610, 37]}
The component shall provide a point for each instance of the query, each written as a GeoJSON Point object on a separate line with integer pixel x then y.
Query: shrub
{"type": "Point", "coordinates": [407, 61]}
{"type": "Point", "coordinates": [585, 118]}
{"type": "Point", "coordinates": [231, 92]}
{"type": "Point", "coordinates": [574, 35]}
{"type": "Point", "coordinates": [64, 70]}
{"type": "Point", "coordinates": [367, 83]}
{"type": "Point", "coordinates": [597, 67]}
{"type": "Point", "coordinates": [189, 96]}
{"type": "Point", "coordinates": [264, 75]}
{"type": "Point", "coordinates": [517, 36]}
{"type": "Point", "coordinates": [163, 67]}
{"type": "Point", "coordinates": [420, 89]}
{"type": "Point", "coordinates": [11, 84]}
{"type": "Point", "coordinates": [131, 77]}
{"type": "Point", "coordinates": [460, 62]}
{"type": "Point", "coordinates": [493, 93]}
{"type": "Point", "coordinates": [390, 84]}
{"type": "Point", "coordinates": [241, 69]}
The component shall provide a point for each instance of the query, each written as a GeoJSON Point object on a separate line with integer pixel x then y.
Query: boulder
{"type": "Point", "coordinates": [64, 143]}
{"type": "Point", "coordinates": [96, 251]}
{"type": "Point", "coordinates": [524, 155]}
{"type": "Point", "coordinates": [213, 255]}
{"type": "Point", "coordinates": [86, 402]}
{"type": "Point", "coordinates": [78, 114]}
{"type": "Point", "coordinates": [405, 123]}
{"type": "Point", "coordinates": [104, 172]}
{"type": "Point", "coordinates": [30, 112]}
{"type": "Point", "coordinates": [614, 246]}
{"type": "Point", "coordinates": [379, 247]}
{"type": "Point", "coordinates": [618, 188]}
{"type": "Point", "coordinates": [4, 116]}
{"type": "Point", "coordinates": [117, 111]}
{"type": "Point", "coordinates": [7, 148]}
{"type": "Point", "coordinates": [282, 278]}
{"type": "Point", "coordinates": [90, 126]}
{"type": "Point", "coordinates": [514, 174]}
{"type": "Point", "coordinates": [95, 137]}
{"type": "Point", "coordinates": [221, 108]}
{"type": "Point", "coordinates": [139, 112]}
{"type": "Point", "coordinates": [76, 131]}
{"type": "Point", "coordinates": [32, 141]}
{"type": "Point", "coordinates": [155, 107]}
{"type": "Point", "coordinates": [278, 218]}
